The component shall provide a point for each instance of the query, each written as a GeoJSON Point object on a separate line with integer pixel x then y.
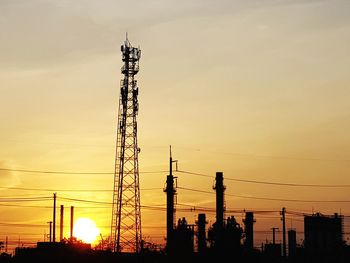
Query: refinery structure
{"type": "Point", "coordinates": [223, 240]}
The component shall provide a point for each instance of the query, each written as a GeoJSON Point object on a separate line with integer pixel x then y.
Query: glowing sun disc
{"type": "Point", "coordinates": [85, 229]}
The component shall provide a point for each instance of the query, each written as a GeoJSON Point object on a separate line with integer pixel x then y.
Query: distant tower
{"type": "Point", "coordinates": [126, 213]}
{"type": "Point", "coordinates": [201, 236]}
{"type": "Point", "coordinates": [249, 230]}
{"type": "Point", "coordinates": [170, 191]}
{"type": "Point", "coordinates": [292, 243]}
{"type": "Point", "coordinates": [220, 201]}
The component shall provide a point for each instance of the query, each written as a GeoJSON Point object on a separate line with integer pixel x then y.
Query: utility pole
{"type": "Point", "coordinates": [283, 213]}
{"type": "Point", "coordinates": [6, 244]}
{"type": "Point", "coordinates": [71, 222]}
{"type": "Point", "coordinates": [274, 234]}
{"type": "Point", "coordinates": [54, 219]}
{"type": "Point", "coordinates": [61, 222]}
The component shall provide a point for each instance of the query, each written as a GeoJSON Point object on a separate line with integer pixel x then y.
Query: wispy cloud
{"type": "Point", "coordinates": [8, 178]}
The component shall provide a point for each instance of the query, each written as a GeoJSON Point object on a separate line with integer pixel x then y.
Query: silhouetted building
{"type": "Point", "coordinates": [323, 234]}
{"type": "Point", "coordinates": [273, 250]}
{"type": "Point", "coordinates": [226, 239]}
{"type": "Point", "coordinates": [183, 238]}
{"type": "Point", "coordinates": [54, 252]}
{"type": "Point", "coordinates": [74, 251]}
{"type": "Point", "coordinates": [232, 235]}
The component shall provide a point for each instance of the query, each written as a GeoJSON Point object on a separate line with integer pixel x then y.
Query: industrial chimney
{"type": "Point", "coordinates": [292, 243]}
{"type": "Point", "coordinates": [201, 236]}
{"type": "Point", "coordinates": [220, 209]}
{"type": "Point", "coordinates": [249, 230]}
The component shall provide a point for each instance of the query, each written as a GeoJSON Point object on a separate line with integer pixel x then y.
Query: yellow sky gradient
{"type": "Point", "coordinates": [256, 89]}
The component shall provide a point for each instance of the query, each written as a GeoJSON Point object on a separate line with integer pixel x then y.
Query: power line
{"type": "Point", "coordinates": [25, 199]}
{"type": "Point", "coordinates": [84, 200]}
{"type": "Point", "coordinates": [57, 207]}
{"type": "Point", "coordinates": [22, 225]}
{"type": "Point", "coordinates": [21, 234]}
{"type": "Point", "coordinates": [265, 156]}
{"type": "Point", "coordinates": [69, 190]}
{"type": "Point", "coordinates": [269, 199]}
{"type": "Point", "coordinates": [267, 182]}
{"type": "Point", "coordinates": [163, 171]}
{"type": "Point", "coordinates": [193, 208]}
{"type": "Point", "coordinates": [283, 157]}
{"type": "Point", "coordinates": [17, 195]}
{"type": "Point", "coordinates": [154, 207]}
{"type": "Point", "coordinates": [240, 196]}
{"type": "Point", "coordinates": [68, 172]}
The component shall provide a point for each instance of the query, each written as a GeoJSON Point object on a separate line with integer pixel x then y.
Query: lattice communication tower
{"type": "Point", "coordinates": [126, 213]}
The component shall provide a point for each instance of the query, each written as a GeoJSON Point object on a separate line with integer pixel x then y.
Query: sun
{"type": "Point", "coordinates": [85, 229]}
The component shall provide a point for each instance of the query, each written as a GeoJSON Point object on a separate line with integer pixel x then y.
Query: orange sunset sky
{"type": "Point", "coordinates": [256, 89]}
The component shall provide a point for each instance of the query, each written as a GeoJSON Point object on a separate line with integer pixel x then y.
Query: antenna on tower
{"type": "Point", "coordinates": [126, 212]}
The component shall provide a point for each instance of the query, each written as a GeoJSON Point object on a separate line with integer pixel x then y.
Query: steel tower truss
{"type": "Point", "coordinates": [126, 213]}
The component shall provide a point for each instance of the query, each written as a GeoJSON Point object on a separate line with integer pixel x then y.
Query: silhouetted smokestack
{"type": "Point", "coordinates": [71, 221]}
{"type": "Point", "coordinates": [61, 222]}
{"type": "Point", "coordinates": [170, 204]}
{"type": "Point", "coordinates": [284, 245]}
{"type": "Point", "coordinates": [202, 246]}
{"type": "Point", "coordinates": [249, 230]}
{"type": "Point", "coordinates": [220, 188]}
{"type": "Point", "coordinates": [170, 207]}
{"type": "Point", "coordinates": [292, 243]}
{"type": "Point", "coordinates": [54, 219]}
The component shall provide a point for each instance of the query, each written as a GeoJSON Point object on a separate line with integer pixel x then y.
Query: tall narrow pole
{"type": "Point", "coordinates": [71, 221]}
{"type": "Point", "coordinates": [61, 222]}
{"type": "Point", "coordinates": [54, 219]}
{"type": "Point", "coordinates": [283, 212]}
{"type": "Point", "coordinates": [170, 193]}
{"type": "Point", "coordinates": [6, 244]}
